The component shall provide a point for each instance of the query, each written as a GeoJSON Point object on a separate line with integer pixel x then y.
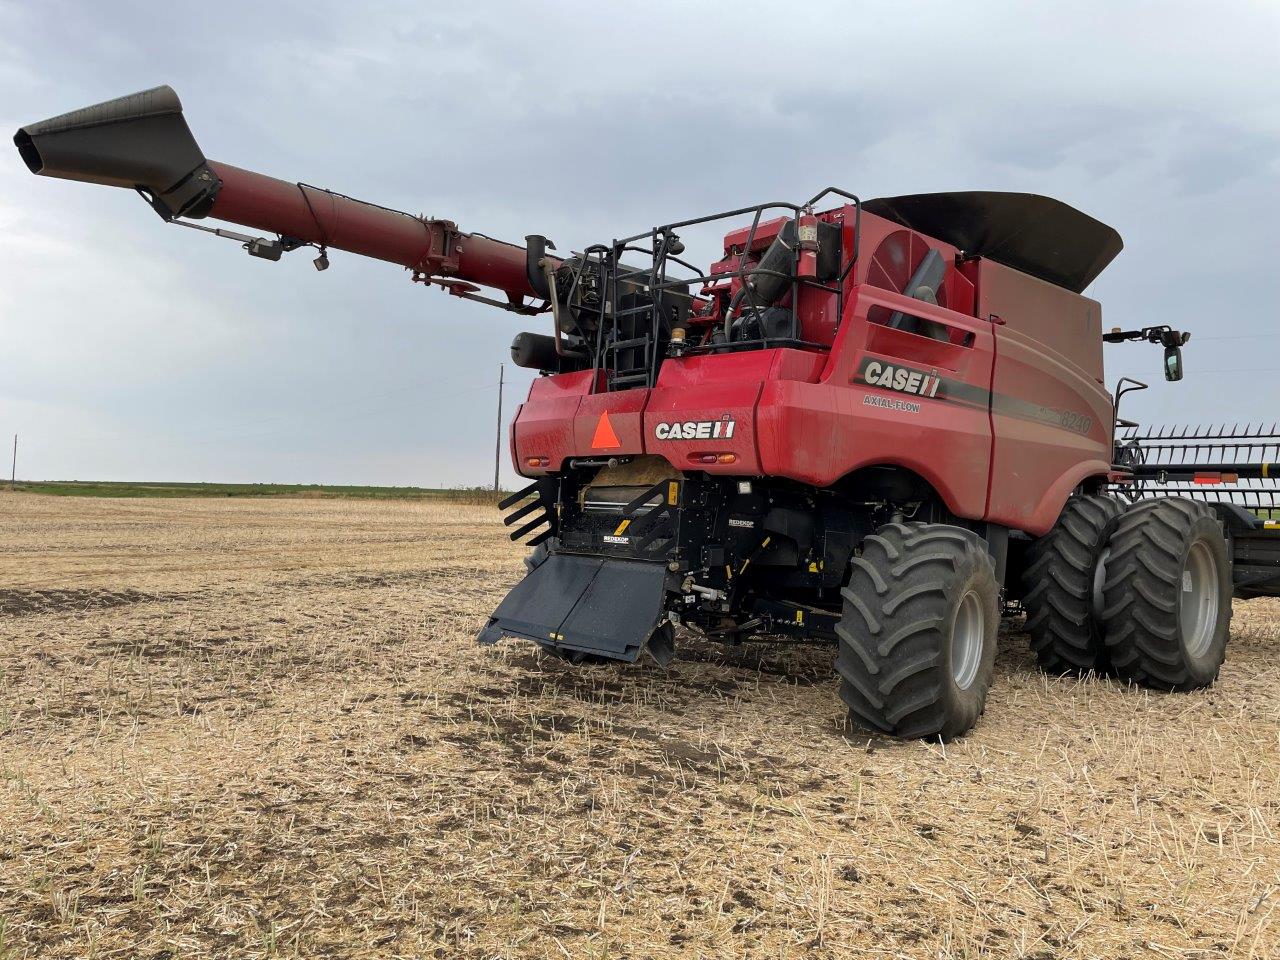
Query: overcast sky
{"type": "Point", "coordinates": [133, 350]}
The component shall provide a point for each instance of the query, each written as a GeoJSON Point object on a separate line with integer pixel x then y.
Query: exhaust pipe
{"type": "Point", "coordinates": [139, 141]}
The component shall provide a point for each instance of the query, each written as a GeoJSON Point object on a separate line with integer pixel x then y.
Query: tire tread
{"type": "Point", "coordinates": [1143, 578]}
{"type": "Point", "coordinates": [1058, 582]}
{"type": "Point", "coordinates": [892, 659]}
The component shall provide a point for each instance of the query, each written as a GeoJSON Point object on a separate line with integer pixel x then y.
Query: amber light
{"type": "Point", "coordinates": [710, 458]}
{"type": "Point", "coordinates": [537, 462]}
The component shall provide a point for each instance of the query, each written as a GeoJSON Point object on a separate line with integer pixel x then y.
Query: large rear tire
{"type": "Point", "coordinates": [917, 638]}
{"type": "Point", "coordinates": [1060, 589]}
{"type": "Point", "coordinates": [1167, 594]}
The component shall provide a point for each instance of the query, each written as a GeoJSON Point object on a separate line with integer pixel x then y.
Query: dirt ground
{"type": "Point", "coordinates": [261, 728]}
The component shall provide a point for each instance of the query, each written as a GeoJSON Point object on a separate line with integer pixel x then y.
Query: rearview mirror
{"type": "Point", "coordinates": [1173, 363]}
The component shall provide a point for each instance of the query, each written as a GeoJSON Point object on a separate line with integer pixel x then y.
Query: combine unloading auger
{"type": "Point", "coordinates": [870, 424]}
{"type": "Point", "coordinates": [142, 142]}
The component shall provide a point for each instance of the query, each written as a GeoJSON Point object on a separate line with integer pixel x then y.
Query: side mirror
{"type": "Point", "coordinates": [1172, 363]}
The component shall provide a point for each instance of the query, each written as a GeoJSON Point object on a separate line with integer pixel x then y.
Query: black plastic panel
{"type": "Point", "coordinates": [590, 605]}
{"type": "Point", "coordinates": [617, 612]}
{"type": "Point", "coordinates": [139, 141]}
{"type": "Point", "coordinates": [1038, 235]}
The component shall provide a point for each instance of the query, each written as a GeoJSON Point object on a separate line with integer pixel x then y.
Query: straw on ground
{"type": "Point", "coordinates": [261, 728]}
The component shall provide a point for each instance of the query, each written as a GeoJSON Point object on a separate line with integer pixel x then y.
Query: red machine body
{"type": "Point", "coordinates": [1019, 418]}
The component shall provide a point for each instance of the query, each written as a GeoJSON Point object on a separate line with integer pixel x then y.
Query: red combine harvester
{"type": "Point", "coordinates": [871, 422]}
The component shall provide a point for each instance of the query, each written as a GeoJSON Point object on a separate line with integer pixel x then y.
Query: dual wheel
{"type": "Point", "coordinates": [1143, 592]}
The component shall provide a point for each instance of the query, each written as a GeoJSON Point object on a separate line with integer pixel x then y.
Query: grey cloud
{"type": "Point", "coordinates": [583, 122]}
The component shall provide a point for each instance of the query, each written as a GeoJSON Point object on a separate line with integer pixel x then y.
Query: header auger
{"type": "Point", "coordinates": [876, 423]}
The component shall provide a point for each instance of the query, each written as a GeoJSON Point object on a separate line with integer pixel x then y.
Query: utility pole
{"type": "Point", "coordinates": [13, 471]}
{"type": "Point", "coordinates": [497, 443]}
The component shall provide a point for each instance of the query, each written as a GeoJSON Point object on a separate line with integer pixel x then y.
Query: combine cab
{"type": "Point", "coordinates": [866, 422]}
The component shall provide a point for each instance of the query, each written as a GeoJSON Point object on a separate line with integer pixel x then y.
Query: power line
{"type": "Point", "coordinates": [1245, 370]}
{"type": "Point", "coordinates": [1234, 336]}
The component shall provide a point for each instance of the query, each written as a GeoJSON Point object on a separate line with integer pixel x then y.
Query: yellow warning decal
{"type": "Point", "coordinates": [673, 492]}
{"type": "Point", "coordinates": [799, 616]}
{"type": "Point", "coordinates": [622, 527]}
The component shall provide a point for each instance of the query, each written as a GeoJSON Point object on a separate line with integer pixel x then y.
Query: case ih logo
{"type": "Point", "coordinates": [721, 429]}
{"type": "Point", "coordinates": [903, 379]}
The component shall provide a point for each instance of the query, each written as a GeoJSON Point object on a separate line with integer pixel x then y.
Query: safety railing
{"type": "Point", "coordinates": [630, 353]}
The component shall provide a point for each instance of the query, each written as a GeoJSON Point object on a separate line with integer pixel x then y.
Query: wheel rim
{"type": "Point", "coordinates": [1099, 579]}
{"type": "Point", "coordinates": [1199, 599]}
{"type": "Point", "coordinates": [966, 640]}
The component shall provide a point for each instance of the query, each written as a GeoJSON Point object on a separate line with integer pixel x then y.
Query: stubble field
{"type": "Point", "coordinates": [261, 728]}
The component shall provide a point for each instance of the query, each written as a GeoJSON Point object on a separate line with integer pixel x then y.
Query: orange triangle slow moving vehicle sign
{"type": "Point", "coordinates": [604, 438]}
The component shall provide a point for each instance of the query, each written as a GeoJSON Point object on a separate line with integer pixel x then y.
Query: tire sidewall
{"type": "Point", "coordinates": [965, 705]}
{"type": "Point", "coordinates": [1097, 582]}
{"type": "Point", "coordinates": [1204, 668]}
